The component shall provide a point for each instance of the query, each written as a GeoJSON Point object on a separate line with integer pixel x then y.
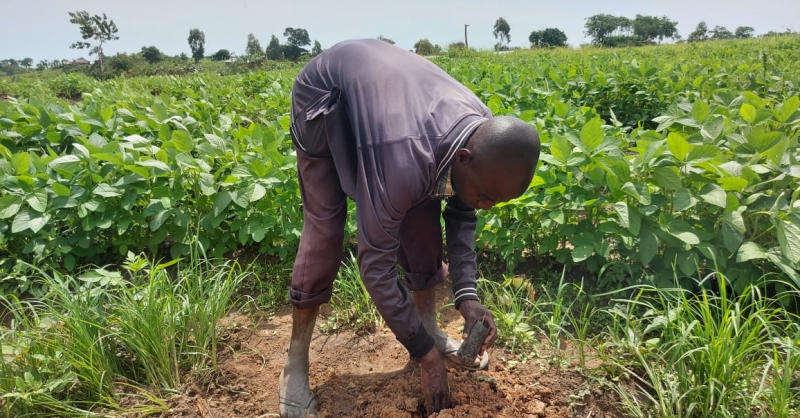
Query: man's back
{"type": "Point", "coordinates": [391, 93]}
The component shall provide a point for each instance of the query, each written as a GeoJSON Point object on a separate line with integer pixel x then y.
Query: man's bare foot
{"type": "Point", "coordinates": [296, 399]}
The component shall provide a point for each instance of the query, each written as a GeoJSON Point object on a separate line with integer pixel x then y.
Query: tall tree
{"type": "Point", "coordinates": [27, 62]}
{"type": "Point", "coordinates": [600, 27]}
{"type": "Point", "coordinates": [424, 47]}
{"type": "Point", "coordinates": [97, 28]}
{"type": "Point", "coordinates": [274, 49]}
{"type": "Point", "coordinates": [502, 31]}
{"type": "Point", "coordinates": [650, 28]}
{"type": "Point", "coordinates": [548, 37]}
{"type": "Point", "coordinates": [152, 54]}
{"type": "Point", "coordinates": [721, 32]}
{"type": "Point", "coordinates": [197, 43]}
{"type": "Point", "coordinates": [317, 49]}
{"type": "Point", "coordinates": [253, 46]}
{"type": "Point", "coordinates": [699, 34]}
{"type": "Point", "coordinates": [297, 39]}
{"type": "Point", "coordinates": [744, 32]}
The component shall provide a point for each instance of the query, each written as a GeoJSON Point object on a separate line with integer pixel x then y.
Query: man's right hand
{"type": "Point", "coordinates": [435, 388]}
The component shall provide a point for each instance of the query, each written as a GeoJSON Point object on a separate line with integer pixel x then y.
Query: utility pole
{"type": "Point", "coordinates": [466, 43]}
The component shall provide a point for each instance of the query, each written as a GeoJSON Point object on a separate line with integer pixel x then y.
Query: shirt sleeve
{"type": "Point", "coordinates": [390, 182]}
{"type": "Point", "coordinates": [460, 223]}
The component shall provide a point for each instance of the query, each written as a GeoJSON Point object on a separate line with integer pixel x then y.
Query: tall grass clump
{"type": "Point", "coordinates": [704, 353]}
{"type": "Point", "coordinates": [97, 337]}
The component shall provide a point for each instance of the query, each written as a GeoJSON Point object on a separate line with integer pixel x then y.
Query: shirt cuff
{"type": "Point", "coordinates": [418, 344]}
{"type": "Point", "coordinates": [467, 292]}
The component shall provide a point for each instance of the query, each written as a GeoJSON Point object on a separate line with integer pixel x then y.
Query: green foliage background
{"type": "Point", "coordinates": [671, 161]}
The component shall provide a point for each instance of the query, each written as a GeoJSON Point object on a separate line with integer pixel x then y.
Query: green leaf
{"type": "Point", "coordinates": [155, 164]}
{"type": "Point", "coordinates": [60, 189]}
{"type": "Point", "coordinates": [678, 146]}
{"type": "Point", "coordinates": [68, 163]}
{"type": "Point", "coordinates": [731, 237]}
{"type": "Point", "coordinates": [159, 219]}
{"type": "Point", "coordinates": [629, 217]}
{"type": "Point", "coordinates": [106, 190]}
{"type": "Point", "coordinates": [682, 231]}
{"type": "Point", "coordinates": [789, 237]}
{"type": "Point", "coordinates": [638, 190]}
{"type": "Point", "coordinates": [736, 184]}
{"type": "Point", "coordinates": [592, 134]}
{"type": "Point", "coordinates": [28, 219]}
{"type": "Point", "coordinates": [787, 109]}
{"type": "Point", "coordinates": [703, 153]}
{"type": "Point", "coordinates": [207, 184]}
{"type": "Point", "coordinates": [684, 199]}
{"type": "Point", "coordinates": [750, 251]}
{"type": "Point", "coordinates": [582, 252]}
{"type": "Point", "coordinates": [38, 200]}
{"type": "Point", "coordinates": [688, 262]}
{"type": "Point", "coordinates": [700, 111]}
{"type": "Point", "coordinates": [256, 192]}
{"type": "Point", "coordinates": [221, 202]}
{"type": "Point", "coordinates": [748, 112]}
{"type": "Point", "coordinates": [9, 205]}
{"type": "Point", "coordinates": [648, 247]}
{"type": "Point", "coordinates": [21, 162]}
{"type": "Point", "coordinates": [183, 141]}
{"type": "Point", "coordinates": [666, 178]}
{"type": "Point", "coordinates": [560, 149]}
{"type": "Point", "coordinates": [712, 129]}
{"type": "Point", "coordinates": [735, 220]}
{"type": "Point", "coordinates": [714, 195]}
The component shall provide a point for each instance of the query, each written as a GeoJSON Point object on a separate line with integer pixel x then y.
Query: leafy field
{"type": "Point", "coordinates": [669, 180]}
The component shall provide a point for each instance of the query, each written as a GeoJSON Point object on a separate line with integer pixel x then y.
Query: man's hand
{"type": "Point", "coordinates": [433, 375]}
{"type": "Point", "coordinates": [472, 311]}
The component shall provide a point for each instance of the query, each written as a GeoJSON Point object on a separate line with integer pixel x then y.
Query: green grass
{"type": "Point", "coordinates": [703, 354]}
{"type": "Point", "coordinates": [351, 304]}
{"type": "Point", "coordinates": [98, 337]}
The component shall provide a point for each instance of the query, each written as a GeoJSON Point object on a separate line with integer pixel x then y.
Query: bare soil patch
{"type": "Point", "coordinates": [371, 376]}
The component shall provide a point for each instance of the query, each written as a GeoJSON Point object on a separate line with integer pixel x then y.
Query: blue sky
{"type": "Point", "coordinates": [40, 29]}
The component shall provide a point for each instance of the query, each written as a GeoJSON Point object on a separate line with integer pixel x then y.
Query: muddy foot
{"type": "Point", "coordinates": [295, 397]}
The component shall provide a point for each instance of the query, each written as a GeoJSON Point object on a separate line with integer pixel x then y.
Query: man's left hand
{"type": "Point", "coordinates": [473, 311]}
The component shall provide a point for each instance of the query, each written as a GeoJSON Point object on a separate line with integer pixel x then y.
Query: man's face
{"type": "Point", "coordinates": [483, 185]}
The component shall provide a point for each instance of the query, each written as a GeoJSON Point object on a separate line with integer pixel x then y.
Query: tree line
{"type": "Point", "coordinates": [604, 30]}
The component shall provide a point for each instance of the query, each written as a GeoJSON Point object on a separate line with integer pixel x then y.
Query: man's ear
{"type": "Point", "coordinates": [464, 156]}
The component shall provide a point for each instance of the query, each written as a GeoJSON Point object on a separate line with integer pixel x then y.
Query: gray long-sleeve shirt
{"type": "Point", "coordinates": [407, 118]}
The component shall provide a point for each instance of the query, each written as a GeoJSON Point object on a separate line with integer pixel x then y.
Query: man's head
{"type": "Point", "coordinates": [497, 164]}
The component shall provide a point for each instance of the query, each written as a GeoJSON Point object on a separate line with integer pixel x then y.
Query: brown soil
{"type": "Point", "coordinates": [372, 376]}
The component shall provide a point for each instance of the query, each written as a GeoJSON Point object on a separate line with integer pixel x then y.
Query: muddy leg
{"type": "Point", "coordinates": [425, 302]}
{"type": "Point", "coordinates": [296, 398]}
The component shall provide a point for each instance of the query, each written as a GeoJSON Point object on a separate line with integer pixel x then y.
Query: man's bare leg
{"type": "Point", "coordinates": [295, 396]}
{"type": "Point", "coordinates": [425, 302]}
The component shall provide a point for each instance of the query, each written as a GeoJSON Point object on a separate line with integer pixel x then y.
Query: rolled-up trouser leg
{"type": "Point", "coordinates": [421, 249]}
{"type": "Point", "coordinates": [321, 241]}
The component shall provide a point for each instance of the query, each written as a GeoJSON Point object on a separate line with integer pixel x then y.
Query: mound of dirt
{"type": "Point", "coordinates": [372, 377]}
